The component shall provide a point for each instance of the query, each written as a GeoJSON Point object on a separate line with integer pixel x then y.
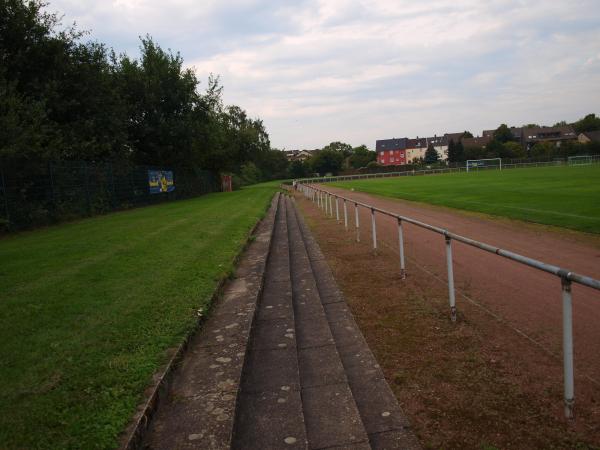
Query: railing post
{"type": "Point", "coordinates": [345, 215]}
{"type": "Point", "coordinates": [5, 195]}
{"type": "Point", "coordinates": [337, 210]}
{"type": "Point", "coordinates": [451, 296]}
{"type": "Point", "coordinates": [357, 222]}
{"type": "Point", "coordinates": [373, 230]}
{"type": "Point", "coordinates": [401, 245]}
{"type": "Point", "coordinates": [330, 204]}
{"type": "Point", "coordinates": [568, 348]}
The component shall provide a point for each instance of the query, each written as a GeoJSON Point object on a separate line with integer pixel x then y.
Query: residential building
{"type": "Point", "coordinates": [476, 142]}
{"type": "Point", "coordinates": [517, 133]}
{"type": "Point", "coordinates": [415, 149]}
{"type": "Point", "coordinates": [391, 152]}
{"type": "Point", "coordinates": [556, 135]}
{"type": "Point", "coordinates": [589, 136]}
{"type": "Point", "coordinates": [298, 155]}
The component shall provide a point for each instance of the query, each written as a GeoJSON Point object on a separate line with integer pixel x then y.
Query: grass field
{"type": "Point", "coordinates": [87, 310]}
{"type": "Point", "coordinates": [563, 196]}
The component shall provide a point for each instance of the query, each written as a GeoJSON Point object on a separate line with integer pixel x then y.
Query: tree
{"type": "Point", "coordinates": [431, 155]}
{"type": "Point", "coordinates": [326, 161]}
{"type": "Point", "coordinates": [503, 134]}
{"type": "Point", "coordinates": [361, 156]}
{"type": "Point", "coordinates": [467, 134]}
{"type": "Point", "coordinates": [298, 169]}
{"type": "Point", "coordinates": [345, 149]}
{"type": "Point", "coordinates": [459, 151]}
{"type": "Point", "coordinates": [512, 149]}
{"type": "Point", "coordinates": [455, 151]}
{"type": "Point", "coordinates": [588, 123]}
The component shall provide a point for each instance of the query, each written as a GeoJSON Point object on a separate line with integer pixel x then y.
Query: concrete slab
{"type": "Point", "coordinates": [378, 407]}
{"type": "Point", "coordinates": [331, 417]}
{"type": "Point", "coordinates": [270, 420]}
{"type": "Point", "coordinates": [392, 440]}
{"type": "Point", "coordinates": [313, 332]}
{"type": "Point", "coordinates": [271, 370]}
{"type": "Point", "coordinates": [274, 334]}
{"type": "Point", "coordinates": [320, 366]}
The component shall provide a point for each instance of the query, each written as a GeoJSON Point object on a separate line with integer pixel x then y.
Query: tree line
{"type": "Point", "coordinates": [66, 98]}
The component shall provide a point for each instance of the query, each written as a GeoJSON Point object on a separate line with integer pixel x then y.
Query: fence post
{"type": "Point", "coordinates": [337, 210]}
{"type": "Point", "coordinates": [451, 296]}
{"type": "Point", "coordinates": [374, 230]}
{"type": "Point", "coordinates": [5, 195]}
{"type": "Point", "coordinates": [356, 222]}
{"type": "Point", "coordinates": [401, 245]}
{"type": "Point", "coordinates": [345, 216]}
{"type": "Point", "coordinates": [87, 188]}
{"type": "Point", "coordinates": [568, 348]}
{"type": "Point", "coordinates": [330, 205]}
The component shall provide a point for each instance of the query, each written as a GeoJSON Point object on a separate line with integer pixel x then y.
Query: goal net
{"type": "Point", "coordinates": [583, 160]}
{"type": "Point", "coordinates": [491, 163]}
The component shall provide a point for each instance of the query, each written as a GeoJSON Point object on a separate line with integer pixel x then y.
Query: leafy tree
{"type": "Point", "coordinates": [531, 125]}
{"type": "Point", "coordinates": [361, 156]}
{"type": "Point", "coordinates": [455, 151]}
{"type": "Point", "coordinates": [588, 123]}
{"type": "Point", "coordinates": [467, 134]}
{"type": "Point", "coordinates": [459, 151]}
{"type": "Point", "coordinates": [345, 149]}
{"type": "Point", "coordinates": [298, 169]}
{"type": "Point", "coordinates": [431, 155]}
{"type": "Point", "coordinates": [326, 161]}
{"type": "Point", "coordinates": [512, 149]}
{"type": "Point", "coordinates": [543, 150]}
{"type": "Point", "coordinates": [503, 134]}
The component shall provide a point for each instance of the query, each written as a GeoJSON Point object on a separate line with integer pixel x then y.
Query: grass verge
{"type": "Point", "coordinates": [88, 309]}
{"type": "Point", "coordinates": [565, 196]}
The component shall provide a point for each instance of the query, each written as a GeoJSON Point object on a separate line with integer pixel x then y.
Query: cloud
{"type": "Point", "coordinates": [356, 71]}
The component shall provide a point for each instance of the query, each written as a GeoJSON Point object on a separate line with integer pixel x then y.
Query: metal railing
{"type": "Point", "coordinates": [324, 200]}
{"type": "Point", "coordinates": [595, 159]}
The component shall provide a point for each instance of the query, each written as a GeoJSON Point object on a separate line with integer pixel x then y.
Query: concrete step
{"type": "Point", "coordinates": [384, 420]}
{"type": "Point", "coordinates": [330, 413]}
{"type": "Point", "coordinates": [269, 411]}
{"type": "Point", "coordinates": [196, 409]}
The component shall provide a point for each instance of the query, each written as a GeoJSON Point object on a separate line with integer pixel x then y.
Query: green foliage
{"type": "Point", "coordinates": [298, 169]}
{"type": "Point", "coordinates": [503, 134]}
{"type": "Point", "coordinates": [326, 161]}
{"type": "Point", "coordinates": [372, 164]}
{"type": "Point", "coordinates": [588, 123]}
{"type": "Point", "coordinates": [456, 151]}
{"type": "Point", "coordinates": [361, 156]}
{"type": "Point", "coordinates": [431, 155]}
{"type": "Point", "coordinates": [512, 149]}
{"type": "Point", "coordinates": [467, 134]}
{"type": "Point", "coordinates": [250, 173]}
{"type": "Point", "coordinates": [345, 149]}
{"type": "Point", "coordinates": [89, 309]}
{"type": "Point", "coordinates": [64, 99]}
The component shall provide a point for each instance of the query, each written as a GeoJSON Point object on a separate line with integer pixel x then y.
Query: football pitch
{"type": "Point", "coordinates": [563, 196]}
{"type": "Point", "coordinates": [89, 308]}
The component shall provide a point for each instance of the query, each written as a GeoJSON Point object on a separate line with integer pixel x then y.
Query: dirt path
{"type": "Point", "coordinates": [528, 407]}
{"type": "Point", "coordinates": [525, 297]}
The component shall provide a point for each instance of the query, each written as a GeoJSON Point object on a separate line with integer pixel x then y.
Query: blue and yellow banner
{"type": "Point", "coordinates": [160, 181]}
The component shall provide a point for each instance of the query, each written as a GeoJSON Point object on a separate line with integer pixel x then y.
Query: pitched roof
{"type": "Point", "coordinates": [593, 136]}
{"type": "Point", "coordinates": [548, 133]}
{"type": "Point", "coordinates": [390, 144]}
{"type": "Point", "coordinates": [476, 141]}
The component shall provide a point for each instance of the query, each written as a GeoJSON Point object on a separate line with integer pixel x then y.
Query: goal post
{"type": "Point", "coordinates": [489, 163]}
{"type": "Point", "coordinates": [582, 160]}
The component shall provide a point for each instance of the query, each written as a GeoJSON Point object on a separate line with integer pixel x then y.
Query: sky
{"type": "Point", "coordinates": [318, 71]}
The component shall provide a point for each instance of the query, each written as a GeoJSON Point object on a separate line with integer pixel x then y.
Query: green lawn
{"type": "Point", "coordinates": [563, 196]}
{"type": "Point", "coordinates": [87, 310]}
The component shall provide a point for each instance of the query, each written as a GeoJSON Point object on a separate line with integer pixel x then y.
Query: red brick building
{"type": "Point", "coordinates": [391, 152]}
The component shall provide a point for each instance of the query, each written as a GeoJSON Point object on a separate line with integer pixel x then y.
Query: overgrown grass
{"type": "Point", "coordinates": [563, 196]}
{"type": "Point", "coordinates": [87, 310]}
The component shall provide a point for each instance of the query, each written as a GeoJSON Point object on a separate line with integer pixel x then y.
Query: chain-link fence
{"type": "Point", "coordinates": [35, 194]}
